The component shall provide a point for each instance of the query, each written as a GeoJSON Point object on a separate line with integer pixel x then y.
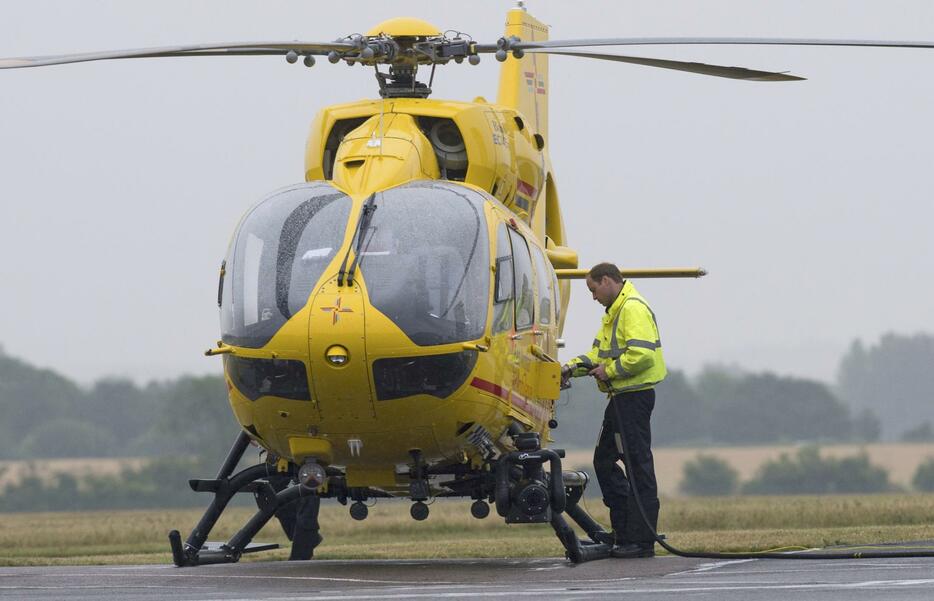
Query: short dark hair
{"type": "Point", "coordinates": [598, 271]}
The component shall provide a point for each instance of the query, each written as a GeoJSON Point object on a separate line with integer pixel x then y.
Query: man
{"type": "Point", "coordinates": [626, 360]}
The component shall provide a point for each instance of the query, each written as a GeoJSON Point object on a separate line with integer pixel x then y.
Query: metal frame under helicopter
{"type": "Point", "coordinates": [517, 483]}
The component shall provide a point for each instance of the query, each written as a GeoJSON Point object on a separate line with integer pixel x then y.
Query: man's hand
{"type": "Point", "coordinates": [565, 377]}
{"type": "Point", "coordinates": [599, 373]}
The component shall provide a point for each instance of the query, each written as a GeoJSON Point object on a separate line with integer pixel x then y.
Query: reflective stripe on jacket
{"type": "Point", "coordinates": [628, 345]}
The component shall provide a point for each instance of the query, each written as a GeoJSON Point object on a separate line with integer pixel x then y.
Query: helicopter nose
{"type": "Point", "coordinates": [337, 350]}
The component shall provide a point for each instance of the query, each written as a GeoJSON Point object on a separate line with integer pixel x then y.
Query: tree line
{"type": "Point", "coordinates": [805, 472]}
{"type": "Point", "coordinates": [883, 391]}
{"type": "Point", "coordinates": [45, 414]}
{"type": "Point", "coordinates": [728, 407]}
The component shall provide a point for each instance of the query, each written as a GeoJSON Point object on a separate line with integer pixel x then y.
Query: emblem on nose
{"type": "Point", "coordinates": [336, 310]}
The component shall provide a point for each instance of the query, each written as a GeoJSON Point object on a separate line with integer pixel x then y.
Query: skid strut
{"type": "Point", "coordinates": [195, 550]}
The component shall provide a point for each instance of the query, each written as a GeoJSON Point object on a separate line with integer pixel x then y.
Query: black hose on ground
{"type": "Point", "coordinates": [621, 447]}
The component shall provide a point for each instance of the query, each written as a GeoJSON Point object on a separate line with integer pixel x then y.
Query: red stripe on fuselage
{"type": "Point", "coordinates": [510, 397]}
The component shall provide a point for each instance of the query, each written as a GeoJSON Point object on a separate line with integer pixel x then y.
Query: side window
{"type": "Point", "coordinates": [525, 293]}
{"type": "Point", "coordinates": [504, 292]}
{"type": "Point", "coordinates": [554, 286]}
{"type": "Point", "coordinates": [545, 295]}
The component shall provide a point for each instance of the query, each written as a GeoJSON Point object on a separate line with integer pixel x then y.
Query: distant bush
{"type": "Point", "coordinates": [894, 373]}
{"type": "Point", "coordinates": [867, 427]}
{"type": "Point", "coordinates": [809, 473]}
{"type": "Point", "coordinates": [158, 483]}
{"type": "Point", "coordinates": [706, 475]}
{"type": "Point", "coordinates": [923, 479]}
{"type": "Point", "coordinates": [68, 437]}
{"type": "Point", "coordinates": [44, 414]}
{"type": "Point", "coordinates": [765, 407]}
{"type": "Point", "coordinates": [923, 432]}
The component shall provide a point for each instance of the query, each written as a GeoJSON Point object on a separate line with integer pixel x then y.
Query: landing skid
{"type": "Point", "coordinates": [254, 479]}
{"type": "Point", "coordinates": [579, 551]}
{"type": "Point", "coordinates": [274, 492]}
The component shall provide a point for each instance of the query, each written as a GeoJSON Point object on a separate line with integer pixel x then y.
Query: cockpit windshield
{"type": "Point", "coordinates": [277, 256]}
{"type": "Point", "coordinates": [425, 261]}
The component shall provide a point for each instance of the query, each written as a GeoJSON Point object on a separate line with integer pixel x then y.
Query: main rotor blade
{"type": "Point", "coordinates": [232, 49]}
{"type": "Point", "coordinates": [734, 41]}
{"type": "Point", "coordinates": [699, 68]}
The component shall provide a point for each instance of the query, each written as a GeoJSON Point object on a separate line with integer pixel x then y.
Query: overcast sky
{"type": "Point", "coordinates": [809, 202]}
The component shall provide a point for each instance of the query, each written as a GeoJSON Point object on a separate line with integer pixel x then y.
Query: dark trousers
{"type": "Point", "coordinates": [299, 520]}
{"type": "Point", "coordinates": [635, 411]}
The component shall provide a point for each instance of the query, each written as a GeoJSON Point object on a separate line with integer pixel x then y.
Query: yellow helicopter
{"type": "Point", "coordinates": [389, 327]}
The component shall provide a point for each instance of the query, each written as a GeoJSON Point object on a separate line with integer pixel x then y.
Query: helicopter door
{"type": "Point", "coordinates": [524, 338]}
{"type": "Point", "coordinates": [503, 343]}
{"type": "Point", "coordinates": [547, 370]}
{"type": "Point", "coordinates": [513, 320]}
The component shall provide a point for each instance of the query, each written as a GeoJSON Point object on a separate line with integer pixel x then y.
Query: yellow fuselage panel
{"type": "Point", "coordinates": [503, 157]}
{"type": "Point", "coordinates": [338, 319]}
{"type": "Point", "coordinates": [385, 151]}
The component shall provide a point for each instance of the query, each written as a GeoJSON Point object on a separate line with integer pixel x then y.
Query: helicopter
{"type": "Point", "coordinates": [389, 327]}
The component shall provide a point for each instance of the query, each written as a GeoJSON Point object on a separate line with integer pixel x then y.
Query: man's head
{"type": "Point", "coordinates": [604, 282]}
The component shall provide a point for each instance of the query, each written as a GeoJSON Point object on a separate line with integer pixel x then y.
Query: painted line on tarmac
{"type": "Point", "coordinates": [49, 587]}
{"type": "Point", "coordinates": [230, 576]}
{"type": "Point", "coordinates": [491, 588]}
{"type": "Point", "coordinates": [813, 566]}
{"type": "Point", "coordinates": [566, 592]}
{"type": "Point", "coordinates": [150, 567]}
{"type": "Point", "coordinates": [402, 583]}
{"type": "Point", "coordinates": [712, 566]}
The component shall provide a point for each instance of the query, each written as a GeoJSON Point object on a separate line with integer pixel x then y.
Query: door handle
{"type": "Point", "coordinates": [541, 354]}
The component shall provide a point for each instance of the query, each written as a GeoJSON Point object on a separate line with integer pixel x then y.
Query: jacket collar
{"type": "Point", "coordinates": [613, 310]}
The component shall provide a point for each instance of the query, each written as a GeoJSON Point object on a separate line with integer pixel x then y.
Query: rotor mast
{"type": "Point", "coordinates": [404, 43]}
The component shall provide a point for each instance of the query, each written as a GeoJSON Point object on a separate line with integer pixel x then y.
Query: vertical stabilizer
{"type": "Point", "coordinates": [523, 83]}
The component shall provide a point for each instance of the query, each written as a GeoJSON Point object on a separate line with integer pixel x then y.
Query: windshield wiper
{"type": "Point", "coordinates": [363, 225]}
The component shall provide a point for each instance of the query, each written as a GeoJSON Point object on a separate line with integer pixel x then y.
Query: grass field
{"type": "Point", "coordinates": [726, 524]}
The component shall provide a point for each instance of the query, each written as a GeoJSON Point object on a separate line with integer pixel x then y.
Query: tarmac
{"type": "Point", "coordinates": [659, 578]}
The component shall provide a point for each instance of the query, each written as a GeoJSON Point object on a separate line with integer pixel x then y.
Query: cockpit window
{"type": "Point", "coordinates": [425, 261]}
{"type": "Point", "coordinates": [277, 255]}
{"type": "Point", "coordinates": [505, 298]}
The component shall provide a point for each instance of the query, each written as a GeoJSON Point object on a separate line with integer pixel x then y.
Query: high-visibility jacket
{"type": "Point", "coordinates": [628, 345]}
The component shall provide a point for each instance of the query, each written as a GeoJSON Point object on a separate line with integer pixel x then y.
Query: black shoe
{"type": "Point", "coordinates": [632, 550]}
{"type": "Point", "coordinates": [608, 538]}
